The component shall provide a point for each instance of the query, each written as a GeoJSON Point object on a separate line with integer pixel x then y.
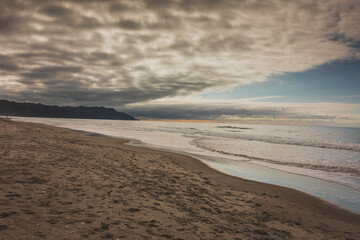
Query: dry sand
{"type": "Point", "coordinates": [59, 184]}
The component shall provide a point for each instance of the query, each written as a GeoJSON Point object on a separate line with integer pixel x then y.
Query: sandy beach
{"type": "Point", "coordinates": [59, 184]}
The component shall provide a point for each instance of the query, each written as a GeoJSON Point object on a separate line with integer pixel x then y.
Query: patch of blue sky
{"type": "Point", "coordinates": [337, 81]}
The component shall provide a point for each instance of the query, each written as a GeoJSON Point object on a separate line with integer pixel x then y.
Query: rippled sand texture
{"type": "Point", "coordinates": [58, 184]}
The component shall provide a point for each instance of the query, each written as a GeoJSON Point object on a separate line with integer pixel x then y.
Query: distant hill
{"type": "Point", "coordinates": [9, 108]}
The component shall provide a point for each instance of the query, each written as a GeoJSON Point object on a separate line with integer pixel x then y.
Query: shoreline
{"type": "Point", "coordinates": [191, 193]}
{"type": "Point", "coordinates": [302, 188]}
{"type": "Point", "coordinates": [329, 198]}
{"type": "Point", "coordinates": [341, 193]}
{"type": "Point", "coordinates": [144, 145]}
{"type": "Point", "coordinates": [208, 162]}
{"type": "Point", "coordinates": [267, 185]}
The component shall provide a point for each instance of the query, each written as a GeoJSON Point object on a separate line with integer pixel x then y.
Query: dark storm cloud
{"type": "Point", "coordinates": [159, 3]}
{"type": "Point", "coordinates": [8, 24]}
{"type": "Point", "coordinates": [66, 20]}
{"type": "Point", "coordinates": [7, 63]}
{"type": "Point", "coordinates": [47, 73]}
{"type": "Point", "coordinates": [72, 93]}
{"type": "Point", "coordinates": [129, 24]}
{"type": "Point", "coordinates": [56, 11]}
{"type": "Point", "coordinates": [117, 53]}
{"type": "Point", "coordinates": [189, 5]}
{"type": "Point", "coordinates": [119, 7]}
{"type": "Point", "coordinates": [10, 20]}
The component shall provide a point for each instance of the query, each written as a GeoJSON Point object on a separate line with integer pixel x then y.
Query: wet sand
{"type": "Point", "coordinates": [60, 184]}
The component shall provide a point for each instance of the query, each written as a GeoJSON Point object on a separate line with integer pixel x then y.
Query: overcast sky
{"type": "Point", "coordinates": [254, 60]}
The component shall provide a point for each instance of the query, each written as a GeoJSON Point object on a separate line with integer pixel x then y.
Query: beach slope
{"type": "Point", "coordinates": [60, 184]}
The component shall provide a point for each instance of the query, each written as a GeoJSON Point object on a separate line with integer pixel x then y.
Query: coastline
{"type": "Point", "coordinates": [136, 192]}
{"type": "Point", "coordinates": [265, 174]}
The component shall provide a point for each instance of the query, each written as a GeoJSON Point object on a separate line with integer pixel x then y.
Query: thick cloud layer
{"type": "Point", "coordinates": [115, 53]}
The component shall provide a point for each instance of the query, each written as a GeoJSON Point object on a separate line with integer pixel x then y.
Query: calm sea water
{"type": "Point", "coordinates": [323, 161]}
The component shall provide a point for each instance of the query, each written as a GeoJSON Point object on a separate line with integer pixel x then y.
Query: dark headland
{"type": "Point", "coordinates": [10, 108]}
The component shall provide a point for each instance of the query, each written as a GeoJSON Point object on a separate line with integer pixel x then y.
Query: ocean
{"type": "Point", "coordinates": [322, 161]}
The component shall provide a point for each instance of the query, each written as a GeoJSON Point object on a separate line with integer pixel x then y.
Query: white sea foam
{"type": "Point", "coordinates": [335, 165]}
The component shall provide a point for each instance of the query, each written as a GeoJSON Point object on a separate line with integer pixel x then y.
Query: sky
{"type": "Point", "coordinates": [250, 61]}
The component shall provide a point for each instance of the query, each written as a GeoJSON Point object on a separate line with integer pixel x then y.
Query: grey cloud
{"type": "Point", "coordinates": [56, 11]}
{"type": "Point", "coordinates": [10, 24]}
{"type": "Point", "coordinates": [75, 93]}
{"type": "Point", "coordinates": [101, 56]}
{"type": "Point", "coordinates": [119, 7]}
{"type": "Point", "coordinates": [8, 64]}
{"type": "Point", "coordinates": [192, 5]}
{"type": "Point", "coordinates": [204, 4]}
{"type": "Point", "coordinates": [66, 17]}
{"type": "Point", "coordinates": [49, 72]}
{"type": "Point", "coordinates": [84, 22]}
{"type": "Point", "coordinates": [123, 52]}
{"type": "Point", "coordinates": [69, 23]}
{"type": "Point", "coordinates": [166, 21]}
{"type": "Point", "coordinates": [216, 43]}
{"type": "Point", "coordinates": [57, 69]}
{"type": "Point", "coordinates": [129, 25]}
{"type": "Point", "coordinates": [60, 85]}
{"type": "Point", "coordinates": [181, 45]}
{"type": "Point", "coordinates": [159, 3]}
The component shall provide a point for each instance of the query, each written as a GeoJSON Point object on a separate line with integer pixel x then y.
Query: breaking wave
{"type": "Point", "coordinates": [313, 166]}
